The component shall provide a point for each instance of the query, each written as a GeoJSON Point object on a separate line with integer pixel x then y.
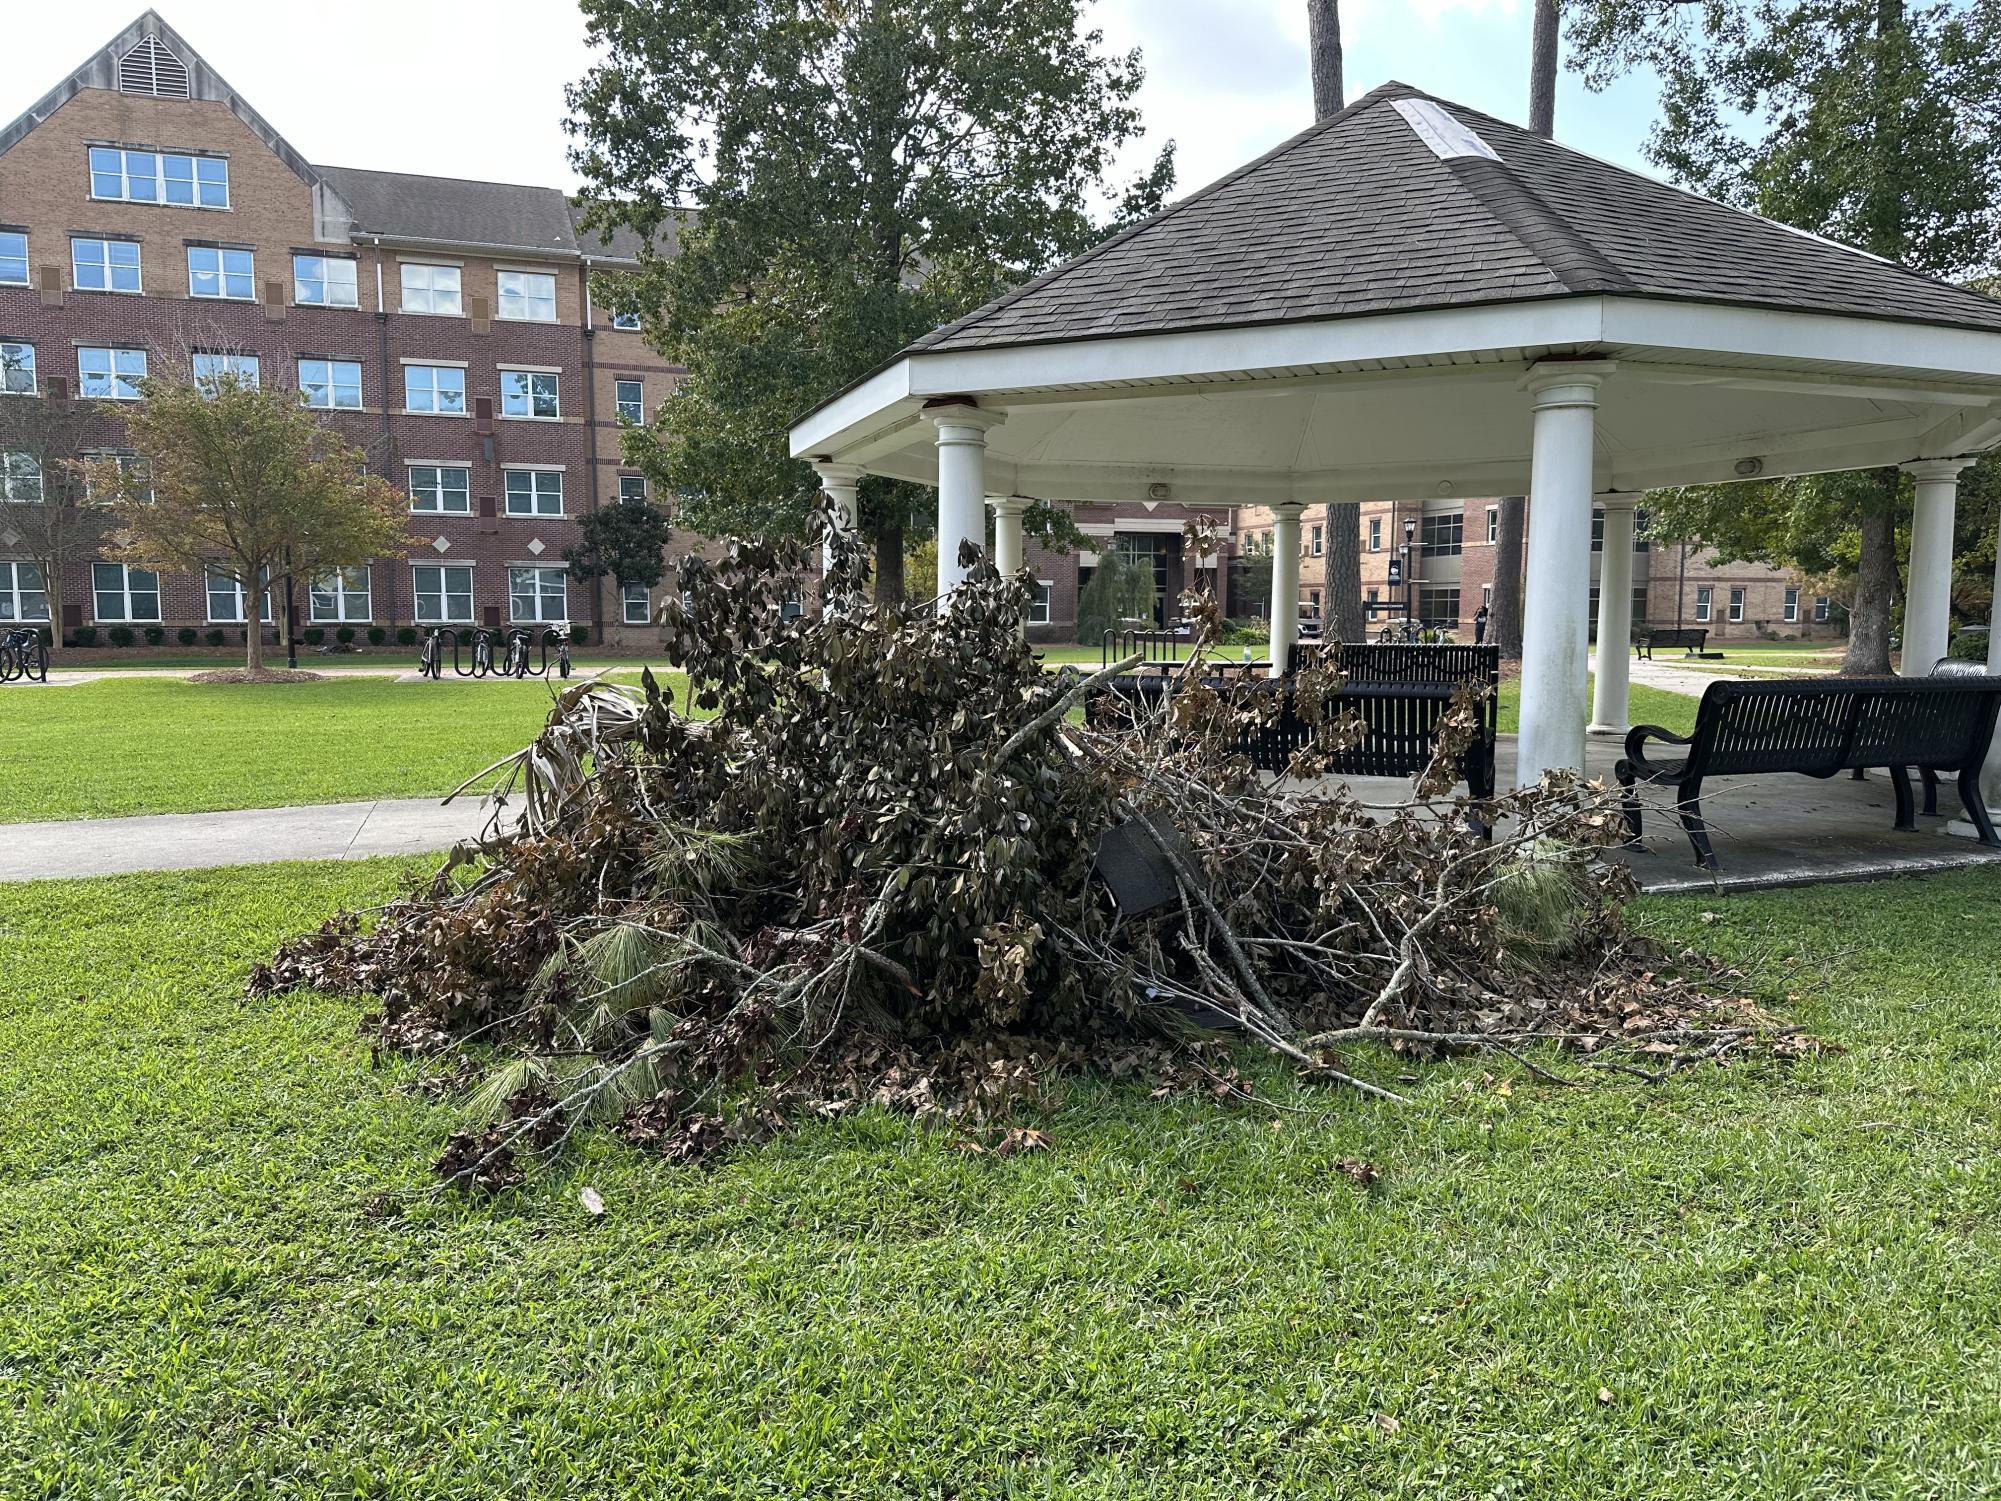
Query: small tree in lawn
{"type": "Point", "coordinates": [622, 542]}
{"type": "Point", "coordinates": [244, 482]}
{"type": "Point", "coordinates": [58, 523]}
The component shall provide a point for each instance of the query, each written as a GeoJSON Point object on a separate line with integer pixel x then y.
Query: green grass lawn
{"type": "Point", "coordinates": [163, 745]}
{"type": "Point", "coordinates": [1771, 1280]}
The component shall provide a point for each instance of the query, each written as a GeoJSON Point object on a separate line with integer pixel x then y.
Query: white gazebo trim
{"type": "Point", "coordinates": [1612, 673]}
{"type": "Point", "coordinates": [962, 485]}
{"type": "Point", "coordinates": [1284, 584]}
{"type": "Point", "coordinates": [1928, 599]}
{"type": "Point", "coordinates": [1556, 603]}
{"type": "Point", "coordinates": [840, 483]}
{"type": "Point", "coordinates": [1010, 552]}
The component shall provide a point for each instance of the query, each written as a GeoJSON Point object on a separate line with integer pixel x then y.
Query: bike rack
{"type": "Point", "coordinates": [481, 638]}
{"type": "Point", "coordinates": [22, 655]}
{"type": "Point", "coordinates": [430, 660]}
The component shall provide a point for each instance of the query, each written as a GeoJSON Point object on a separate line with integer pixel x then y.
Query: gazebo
{"type": "Point", "coordinates": [1413, 300]}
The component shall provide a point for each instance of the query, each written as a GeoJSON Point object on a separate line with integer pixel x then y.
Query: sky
{"type": "Point", "coordinates": [474, 88]}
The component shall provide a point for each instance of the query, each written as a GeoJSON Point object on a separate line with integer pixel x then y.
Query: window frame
{"type": "Point", "coordinates": [430, 289]}
{"type": "Point", "coordinates": [116, 379]}
{"type": "Point", "coordinates": [1375, 534]}
{"type": "Point", "coordinates": [107, 267]}
{"type": "Point", "coordinates": [444, 593]}
{"type": "Point", "coordinates": [529, 396]}
{"type": "Point", "coordinates": [1493, 526]}
{"type": "Point", "coordinates": [1705, 604]}
{"type": "Point", "coordinates": [1317, 540]}
{"type": "Point", "coordinates": [160, 176]}
{"type": "Point", "coordinates": [223, 274]}
{"type": "Point", "coordinates": [620, 402]}
{"type": "Point", "coordinates": [1431, 619]}
{"type": "Point", "coordinates": [633, 479]}
{"type": "Point", "coordinates": [12, 590]}
{"type": "Point", "coordinates": [332, 384]}
{"type": "Point", "coordinates": [15, 464]}
{"type": "Point", "coordinates": [232, 589]}
{"type": "Point", "coordinates": [1737, 594]}
{"type": "Point", "coordinates": [1791, 607]}
{"type": "Point", "coordinates": [439, 487]}
{"type": "Point", "coordinates": [235, 362]}
{"type": "Point", "coordinates": [1436, 522]}
{"type": "Point", "coordinates": [502, 296]}
{"type": "Point", "coordinates": [7, 372]}
{"type": "Point", "coordinates": [541, 593]}
{"type": "Point", "coordinates": [411, 368]}
{"type": "Point", "coordinates": [125, 592]}
{"type": "Point", "coordinates": [339, 594]}
{"type": "Point", "coordinates": [626, 322]}
{"type": "Point", "coordinates": [1823, 609]}
{"type": "Point", "coordinates": [534, 491]}
{"type": "Point", "coordinates": [625, 603]}
{"type": "Point", "coordinates": [1042, 608]}
{"type": "Point", "coordinates": [27, 261]}
{"type": "Point", "coordinates": [353, 263]}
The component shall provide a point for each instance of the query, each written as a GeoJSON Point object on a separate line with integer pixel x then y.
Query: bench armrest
{"type": "Point", "coordinates": [1636, 744]}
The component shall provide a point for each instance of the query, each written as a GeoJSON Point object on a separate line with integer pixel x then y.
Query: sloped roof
{"type": "Point", "coordinates": [1402, 202]}
{"type": "Point", "coordinates": [455, 210]}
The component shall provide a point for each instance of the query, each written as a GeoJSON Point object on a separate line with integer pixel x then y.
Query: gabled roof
{"type": "Point", "coordinates": [1402, 202]}
{"type": "Point", "coordinates": [455, 210]}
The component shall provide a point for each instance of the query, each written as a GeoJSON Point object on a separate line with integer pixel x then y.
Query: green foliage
{"type": "Point", "coordinates": [345, 635]}
{"type": "Point", "coordinates": [154, 634]}
{"type": "Point", "coordinates": [624, 542]}
{"type": "Point", "coordinates": [1120, 590]}
{"type": "Point", "coordinates": [579, 634]}
{"type": "Point", "coordinates": [840, 179]}
{"type": "Point", "coordinates": [83, 635]}
{"type": "Point", "coordinates": [120, 635]}
{"type": "Point", "coordinates": [313, 635]}
{"type": "Point", "coordinates": [1969, 646]}
{"type": "Point", "coordinates": [225, 1263]}
{"type": "Point", "coordinates": [215, 636]}
{"type": "Point", "coordinates": [377, 635]}
{"type": "Point", "coordinates": [406, 635]}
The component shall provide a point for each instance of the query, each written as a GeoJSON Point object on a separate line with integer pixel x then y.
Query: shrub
{"type": "Point", "coordinates": [83, 635]}
{"type": "Point", "coordinates": [406, 636]}
{"type": "Point", "coordinates": [345, 635]}
{"type": "Point", "coordinates": [1970, 645]}
{"type": "Point", "coordinates": [120, 635]}
{"type": "Point", "coordinates": [377, 635]}
{"type": "Point", "coordinates": [187, 635]}
{"type": "Point", "coordinates": [1251, 631]}
{"type": "Point", "coordinates": [216, 636]}
{"type": "Point", "coordinates": [154, 634]}
{"type": "Point", "coordinates": [312, 635]}
{"type": "Point", "coordinates": [579, 634]}
{"type": "Point", "coordinates": [48, 636]}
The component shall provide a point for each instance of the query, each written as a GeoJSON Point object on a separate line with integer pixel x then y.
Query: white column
{"type": "Point", "coordinates": [1556, 590]}
{"type": "Point", "coordinates": [962, 486]}
{"type": "Point", "coordinates": [1928, 600]}
{"type": "Point", "coordinates": [839, 482]}
{"type": "Point", "coordinates": [1010, 555]}
{"type": "Point", "coordinates": [1284, 583]}
{"type": "Point", "coordinates": [1611, 667]}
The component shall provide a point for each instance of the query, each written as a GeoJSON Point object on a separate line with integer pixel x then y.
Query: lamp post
{"type": "Point", "coordinates": [1409, 575]}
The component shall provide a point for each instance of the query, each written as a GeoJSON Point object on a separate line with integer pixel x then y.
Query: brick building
{"type": "Point", "coordinates": [151, 219]}
{"type": "Point", "coordinates": [1151, 534]}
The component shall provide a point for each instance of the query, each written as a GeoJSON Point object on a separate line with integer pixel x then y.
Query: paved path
{"type": "Point", "coordinates": [251, 836]}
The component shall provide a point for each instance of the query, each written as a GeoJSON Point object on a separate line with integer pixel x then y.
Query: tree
{"type": "Point", "coordinates": [623, 542]}
{"type": "Point", "coordinates": [245, 483]}
{"type": "Point", "coordinates": [1121, 590]}
{"type": "Point", "coordinates": [1870, 121]}
{"type": "Point", "coordinates": [44, 440]}
{"type": "Point", "coordinates": [840, 179]}
{"type": "Point", "coordinates": [1323, 29]}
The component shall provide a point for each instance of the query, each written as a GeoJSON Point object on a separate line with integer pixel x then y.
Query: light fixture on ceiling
{"type": "Point", "coordinates": [1748, 468]}
{"type": "Point", "coordinates": [1158, 490]}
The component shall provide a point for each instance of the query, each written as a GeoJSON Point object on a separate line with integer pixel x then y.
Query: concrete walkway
{"type": "Point", "coordinates": [250, 836]}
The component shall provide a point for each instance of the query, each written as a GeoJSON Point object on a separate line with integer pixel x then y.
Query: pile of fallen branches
{"type": "Point", "coordinates": [863, 864]}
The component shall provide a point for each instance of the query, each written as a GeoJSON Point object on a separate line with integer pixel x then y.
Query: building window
{"type": "Point", "coordinates": [343, 598]}
{"type": "Point", "coordinates": [159, 177]}
{"type": "Point", "coordinates": [627, 321]}
{"type": "Point", "coordinates": [104, 265]}
{"type": "Point", "coordinates": [534, 492]}
{"type": "Point", "coordinates": [13, 258]}
{"type": "Point", "coordinates": [213, 366]}
{"type": "Point", "coordinates": [1041, 607]}
{"type": "Point", "coordinates": [17, 369]}
{"type": "Point", "coordinates": [440, 488]}
{"type": "Point", "coordinates": [124, 594]}
{"type": "Point", "coordinates": [632, 487]}
{"type": "Point", "coordinates": [528, 393]}
{"type": "Point", "coordinates": [435, 388]}
{"type": "Point", "coordinates": [538, 594]}
{"type": "Point", "coordinates": [431, 289]}
{"type": "Point", "coordinates": [1822, 607]}
{"type": "Point", "coordinates": [325, 281]}
{"type": "Point", "coordinates": [528, 296]}
{"type": "Point", "coordinates": [1375, 534]}
{"type": "Point", "coordinates": [1319, 540]}
{"type": "Point", "coordinates": [333, 385]}
{"type": "Point", "coordinates": [1792, 606]}
{"type": "Point", "coordinates": [443, 592]}
{"type": "Point", "coordinates": [1371, 600]}
{"type": "Point", "coordinates": [630, 396]}
{"type": "Point", "coordinates": [127, 464]}
{"type": "Point", "coordinates": [1493, 525]}
{"type": "Point", "coordinates": [216, 272]}
{"type": "Point", "coordinates": [20, 478]}
{"type": "Point", "coordinates": [107, 374]}
{"type": "Point", "coordinates": [1438, 607]}
{"type": "Point", "coordinates": [225, 600]}
{"type": "Point", "coordinates": [1441, 537]}
{"type": "Point", "coordinates": [1642, 531]}
{"type": "Point", "coordinates": [1736, 604]}
{"type": "Point", "coordinates": [23, 594]}
{"type": "Point", "coordinates": [637, 606]}
{"type": "Point", "coordinates": [1703, 595]}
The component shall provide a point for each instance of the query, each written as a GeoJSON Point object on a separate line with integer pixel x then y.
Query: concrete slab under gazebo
{"type": "Point", "coordinates": [1413, 300]}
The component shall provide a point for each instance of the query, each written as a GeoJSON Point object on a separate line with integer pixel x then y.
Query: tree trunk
{"type": "Point", "coordinates": [1323, 25]}
{"type": "Point", "coordinates": [253, 637]}
{"type": "Point", "coordinates": [1344, 571]}
{"type": "Point", "coordinates": [1542, 70]}
{"type": "Point", "coordinates": [889, 565]}
{"type": "Point", "coordinates": [1505, 623]}
{"type": "Point", "coordinates": [1868, 652]}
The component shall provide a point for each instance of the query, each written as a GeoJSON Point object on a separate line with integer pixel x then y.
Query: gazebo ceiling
{"type": "Point", "coordinates": [1352, 315]}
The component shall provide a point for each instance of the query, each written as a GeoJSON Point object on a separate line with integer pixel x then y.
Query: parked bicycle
{"type": "Point", "coordinates": [517, 661]}
{"type": "Point", "coordinates": [22, 655]}
{"type": "Point", "coordinates": [431, 658]}
{"type": "Point", "coordinates": [482, 653]}
{"type": "Point", "coordinates": [1400, 633]}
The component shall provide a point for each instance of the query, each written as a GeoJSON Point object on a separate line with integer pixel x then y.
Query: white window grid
{"type": "Point", "coordinates": [527, 297]}
{"type": "Point", "coordinates": [222, 273]}
{"type": "Point", "coordinates": [225, 600]}
{"type": "Point", "coordinates": [1792, 606]}
{"type": "Point", "coordinates": [325, 281]}
{"type": "Point", "coordinates": [1736, 604]}
{"type": "Point", "coordinates": [124, 596]}
{"type": "Point", "coordinates": [629, 396]}
{"type": "Point", "coordinates": [343, 598]}
{"type": "Point", "coordinates": [534, 492]}
{"type": "Point", "coordinates": [431, 289]}
{"type": "Point", "coordinates": [530, 393]}
{"type": "Point", "coordinates": [442, 593]}
{"type": "Point", "coordinates": [629, 322]}
{"type": "Point", "coordinates": [13, 258]}
{"type": "Point", "coordinates": [24, 594]}
{"type": "Point", "coordinates": [636, 604]}
{"type": "Point", "coordinates": [1493, 525]}
{"type": "Point", "coordinates": [1704, 600]}
{"type": "Point", "coordinates": [17, 369]}
{"type": "Point", "coordinates": [1040, 607]}
{"type": "Point", "coordinates": [210, 366]}
{"type": "Point", "coordinates": [110, 372]}
{"type": "Point", "coordinates": [440, 489]}
{"type": "Point", "coordinates": [1822, 608]}
{"type": "Point", "coordinates": [20, 477]}
{"type": "Point", "coordinates": [126, 461]}
{"type": "Point", "coordinates": [632, 487]}
{"type": "Point", "coordinates": [104, 265]}
{"type": "Point", "coordinates": [331, 385]}
{"type": "Point", "coordinates": [439, 389]}
{"type": "Point", "coordinates": [538, 595]}
{"type": "Point", "coordinates": [168, 177]}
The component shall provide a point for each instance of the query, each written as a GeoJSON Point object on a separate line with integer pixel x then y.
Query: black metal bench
{"type": "Point", "coordinates": [1691, 638]}
{"type": "Point", "coordinates": [1400, 720]}
{"type": "Point", "coordinates": [1817, 729]}
{"type": "Point", "coordinates": [1397, 662]}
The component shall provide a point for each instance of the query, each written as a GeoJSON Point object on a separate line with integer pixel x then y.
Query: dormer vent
{"type": "Point", "coordinates": [150, 68]}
